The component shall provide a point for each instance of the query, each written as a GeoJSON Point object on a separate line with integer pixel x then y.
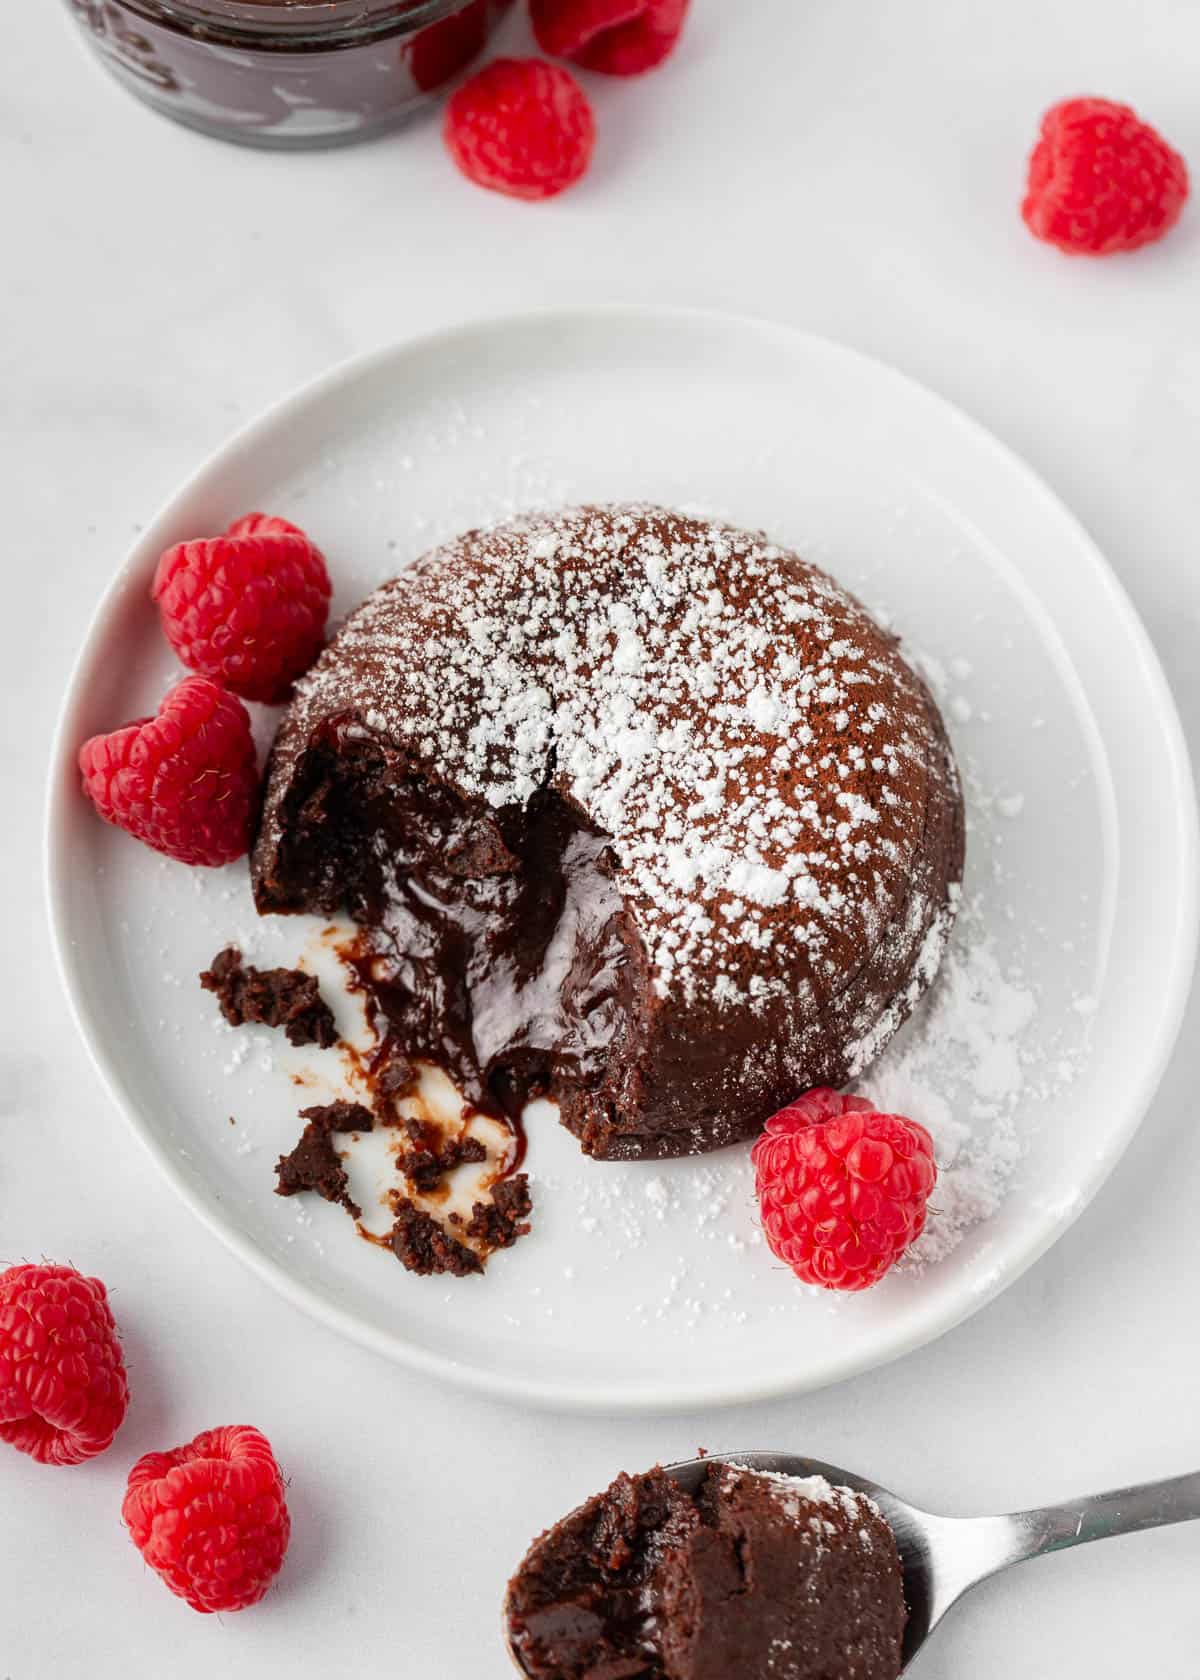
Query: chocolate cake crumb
{"type": "Point", "coordinates": [427, 1165]}
{"type": "Point", "coordinates": [501, 1221]}
{"type": "Point", "coordinates": [397, 1078]}
{"type": "Point", "coordinates": [422, 1170]}
{"type": "Point", "coordinates": [420, 1244]}
{"type": "Point", "coordinates": [340, 1116]}
{"type": "Point", "coordinates": [270, 997]}
{"type": "Point", "coordinates": [314, 1165]}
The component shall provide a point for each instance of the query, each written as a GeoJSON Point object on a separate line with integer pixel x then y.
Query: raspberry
{"type": "Point", "coordinates": [842, 1188]}
{"type": "Point", "coordinates": [185, 781]}
{"type": "Point", "coordinates": [1101, 180]}
{"type": "Point", "coordinates": [438, 53]}
{"type": "Point", "coordinates": [211, 1517]}
{"type": "Point", "coordinates": [247, 609]}
{"type": "Point", "coordinates": [618, 37]}
{"type": "Point", "coordinates": [521, 127]}
{"type": "Point", "coordinates": [62, 1378]}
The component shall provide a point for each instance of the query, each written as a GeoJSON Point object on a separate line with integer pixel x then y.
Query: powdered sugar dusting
{"type": "Point", "coordinates": [876, 1032]}
{"type": "Point", "coordinates": [813, 1502]}
{"type": "Point", "coordinates": [762, 758]}
{"type": "Point", "coordinates": [796, 1493]}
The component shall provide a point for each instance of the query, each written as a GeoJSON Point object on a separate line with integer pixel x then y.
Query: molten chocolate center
{"type": "Point", "coordinates": [497, 943]}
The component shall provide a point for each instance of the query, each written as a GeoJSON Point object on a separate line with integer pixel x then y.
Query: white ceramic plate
{"type": "Point", "coordinates": [642, 1286]}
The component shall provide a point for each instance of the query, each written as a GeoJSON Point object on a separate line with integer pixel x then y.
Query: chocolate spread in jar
{"type": "Point", "coordinates": [287, 73]}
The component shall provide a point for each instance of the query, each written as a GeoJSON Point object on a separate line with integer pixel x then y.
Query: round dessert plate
{"type": "Point", "coordinates": [647, 1285]}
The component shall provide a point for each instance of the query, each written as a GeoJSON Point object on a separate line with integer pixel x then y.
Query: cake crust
{"type": "Point", "coordinates": [642, 811]}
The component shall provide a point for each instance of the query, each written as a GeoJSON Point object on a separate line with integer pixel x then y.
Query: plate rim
{"type": "Point", "coordinates": [1046, 1226]}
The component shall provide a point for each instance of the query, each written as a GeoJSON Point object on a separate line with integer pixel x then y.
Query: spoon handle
{"type": "Point", "coordinates": [1123, 1511]}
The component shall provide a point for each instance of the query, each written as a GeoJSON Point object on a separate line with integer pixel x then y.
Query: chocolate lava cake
{"type": "Point", "coordinates": [636, 811]}
{"type": "Point", "coordinates": [755, 1576]}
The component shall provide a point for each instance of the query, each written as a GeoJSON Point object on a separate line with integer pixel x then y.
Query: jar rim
{"type": "Point", "coordinates": [293, 23]}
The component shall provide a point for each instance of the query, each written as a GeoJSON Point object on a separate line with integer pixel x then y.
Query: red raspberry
{"type": "Point", "coordinates": [211, 1517]}
{"type": "Point", "coordinates": [186, 781]}
{"type": "Point", "coordinates": [247, 609]}
{"type": "Point", "coordinates": [438, 53]}
{"type": "Point", "coordinates": [618, 37]}
{"type": "Point", "coordinates": [842, 1188]}
{"type": "Point", "coordinates": [521, 127]}
{"type": "Point", "coordinates": [1101, 180]}
{"type": "Point", "coordinates": [62, 1378]}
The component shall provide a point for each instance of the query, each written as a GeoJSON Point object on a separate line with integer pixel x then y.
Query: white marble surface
{"type": "Point", "coordinates": [850, 167]}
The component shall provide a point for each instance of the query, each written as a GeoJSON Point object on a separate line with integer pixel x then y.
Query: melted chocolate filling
{"type": "Point", "coordinates": [582, 1605]}
{"type": "Point", "coordinates": [497, 943]}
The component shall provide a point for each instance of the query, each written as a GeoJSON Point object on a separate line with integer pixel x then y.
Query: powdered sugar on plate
{"type": "Point", "coordinates": [959, 1072]}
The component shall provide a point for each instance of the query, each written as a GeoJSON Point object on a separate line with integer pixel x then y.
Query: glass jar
{"type": "Point", "coordinates": [290, 73]}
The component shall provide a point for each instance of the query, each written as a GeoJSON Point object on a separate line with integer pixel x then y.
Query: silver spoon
{"type": "Point", "coordinates": [943, 1557]}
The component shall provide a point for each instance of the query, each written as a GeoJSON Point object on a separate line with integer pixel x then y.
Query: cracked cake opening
{"type": "Point", "coordinates": [495, 943]}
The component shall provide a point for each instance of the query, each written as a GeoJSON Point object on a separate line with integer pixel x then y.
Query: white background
{"type": "Point", "coordinates": [852, 166]}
